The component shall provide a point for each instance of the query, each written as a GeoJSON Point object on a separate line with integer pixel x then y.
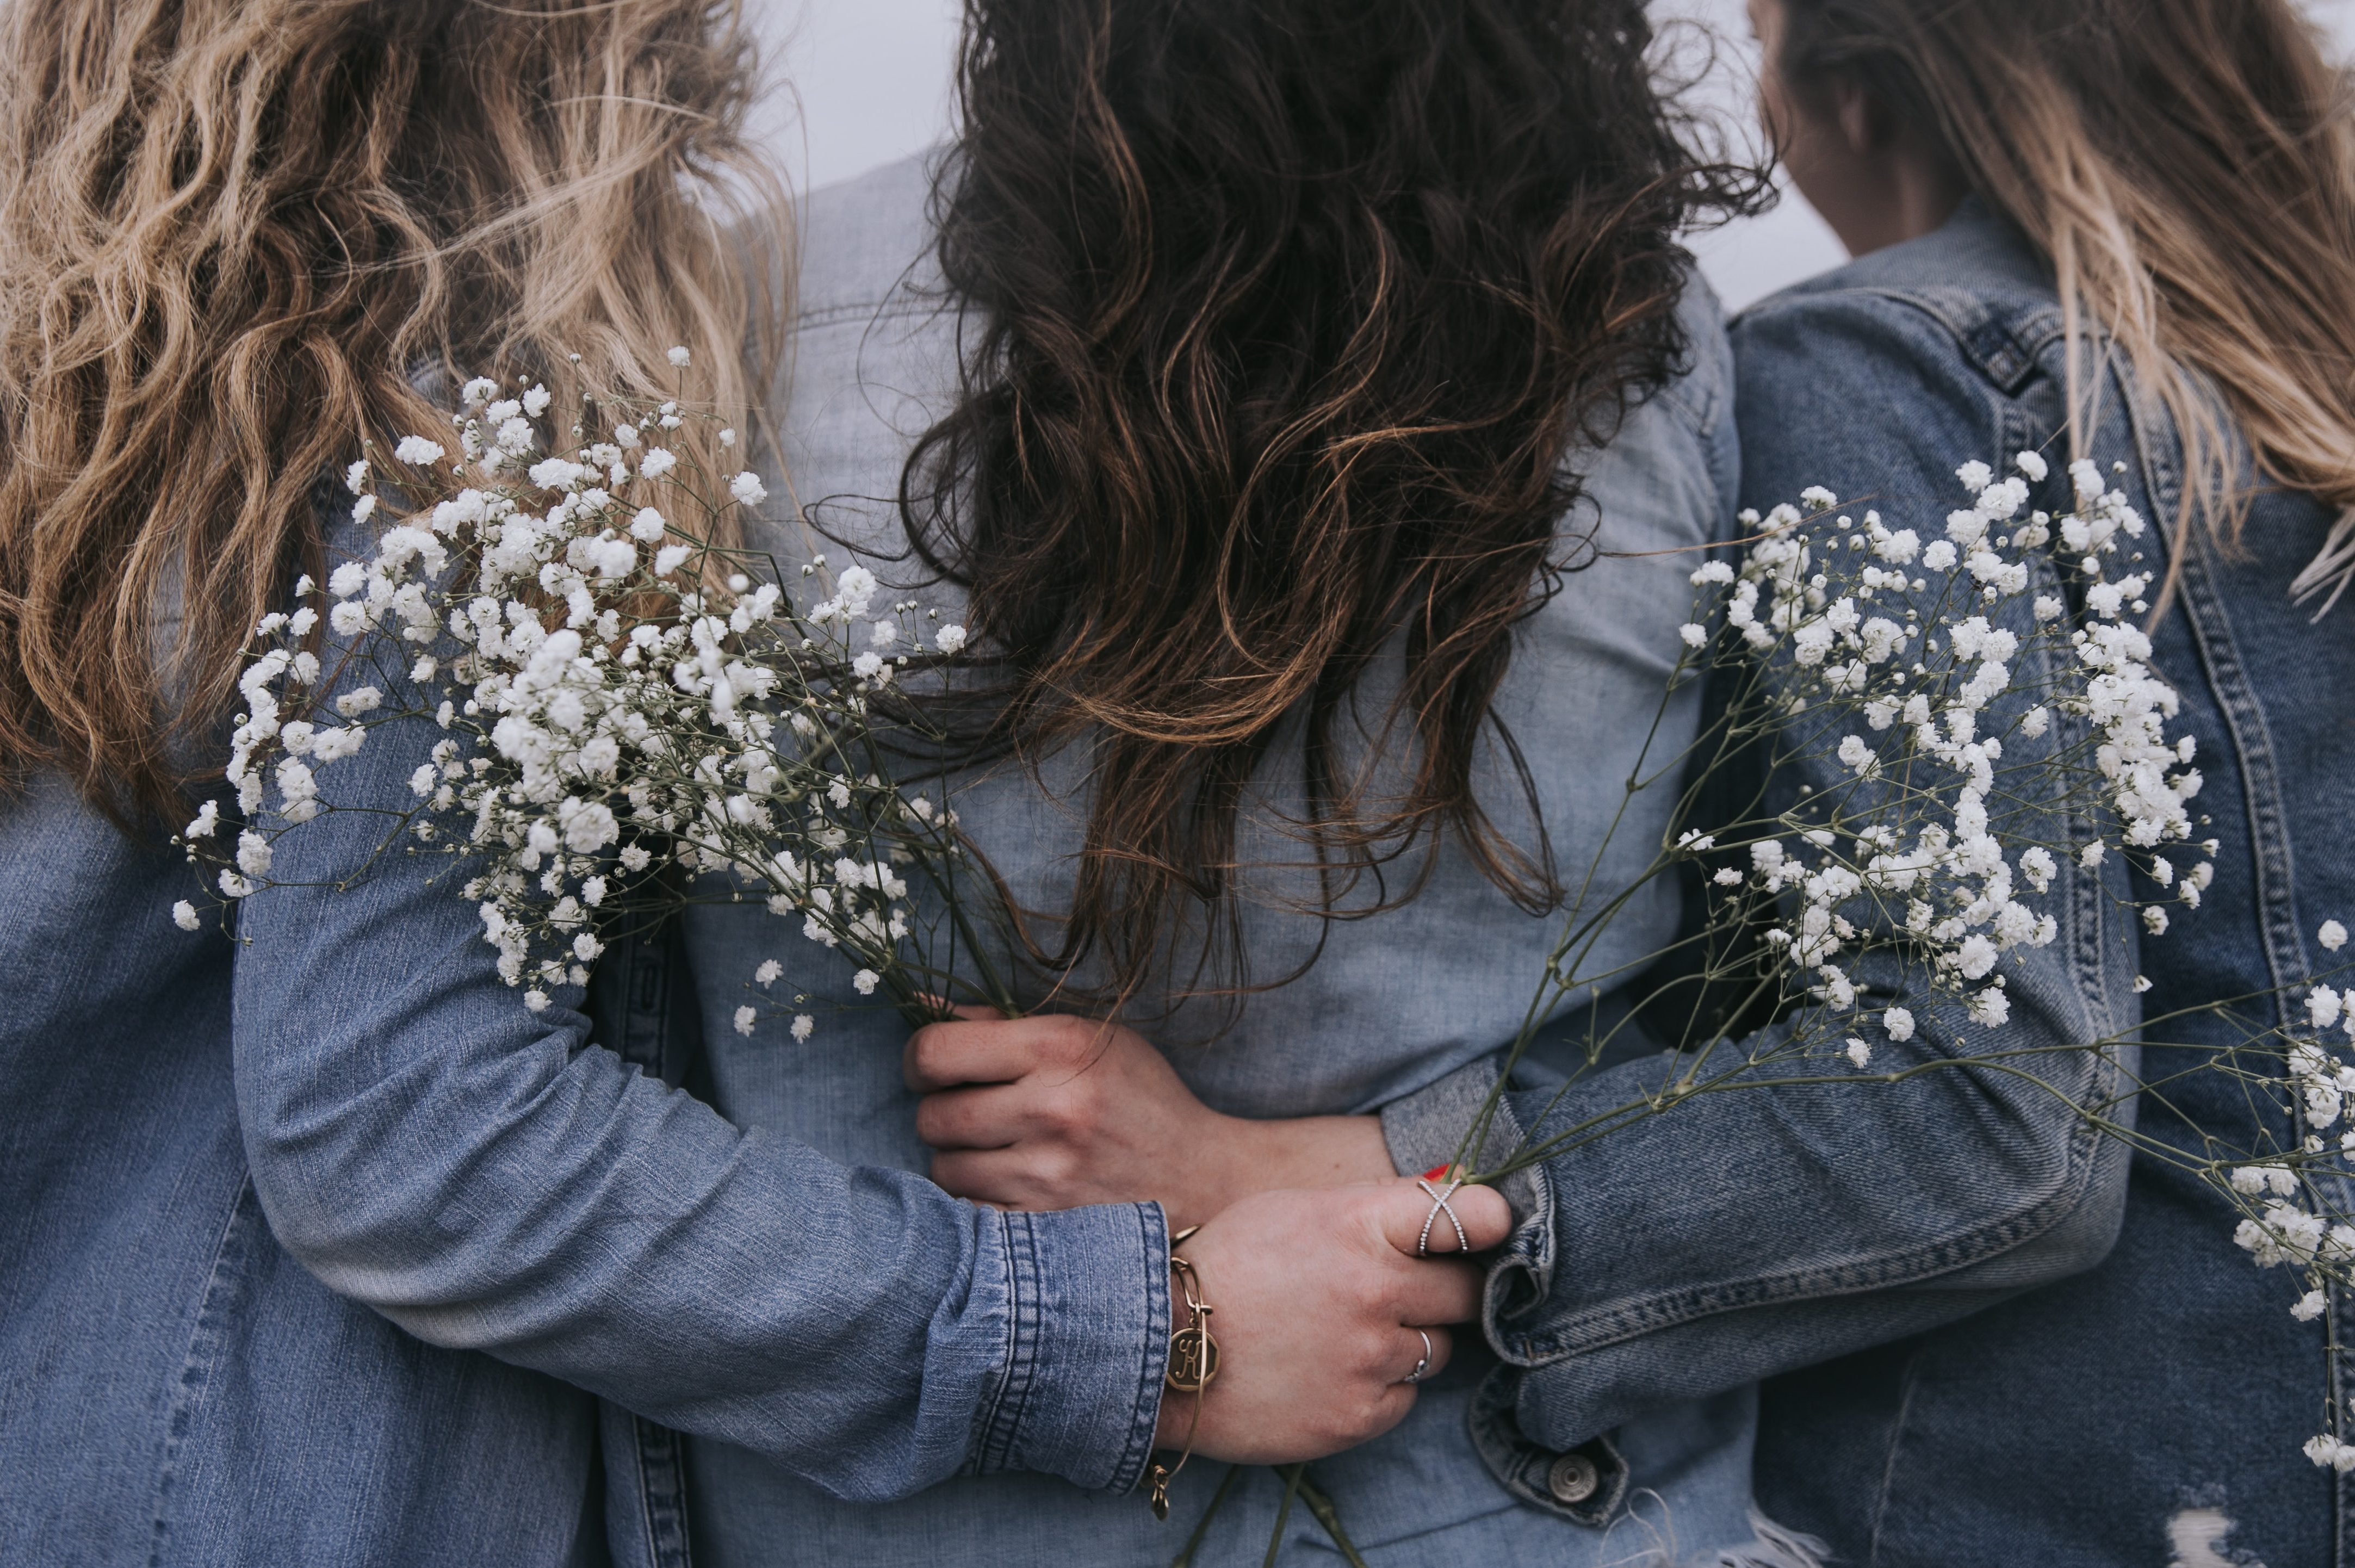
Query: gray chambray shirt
{"type": "Point", "coordinates": [1393, 1005]}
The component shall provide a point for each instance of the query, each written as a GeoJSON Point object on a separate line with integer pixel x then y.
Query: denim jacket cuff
{"type": "Point", "coordinates": [1424, 1130]}
{"type": "Point", "coordinates": [1089, 1310]}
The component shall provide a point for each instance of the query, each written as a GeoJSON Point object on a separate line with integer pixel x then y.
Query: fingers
{"type": "Point", "coordinates": [1002, 1178]}
{"type": "Point", "coordinates": [990, 1116]}
{"type": "Point", "coordinates": [1408, 1218]}
{"type": "Point", "coordinates": [975, 1051]}
{"type": "Point", "coordinates": [1412, 1367]}
{"type": "Point", "coordinates": [1435, 1292]}
{"type": "Point", "coordinates": [984, 1049]}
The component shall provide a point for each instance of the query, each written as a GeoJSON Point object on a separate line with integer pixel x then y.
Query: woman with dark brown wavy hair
{"type": "Point", "coordinates": [1311, 413]}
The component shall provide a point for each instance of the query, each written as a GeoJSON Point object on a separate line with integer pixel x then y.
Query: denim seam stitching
{"type": "Point", "coordinates": [1888, 1468]}
{"type": "Point", "coordinates": [664, 1513]}
{"type": "Point", "coordinates": [1152, 1230]}
{"type": "Point", "coordinates": [206, 1342]}
{"type": "Point", "coordinates": [2032, 328]}
{"type": "Point", "coordinates": [1002, 1439]}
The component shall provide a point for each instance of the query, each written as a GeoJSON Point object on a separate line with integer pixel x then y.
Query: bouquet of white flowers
{"type": "Point", "coordinates": [631, 720]}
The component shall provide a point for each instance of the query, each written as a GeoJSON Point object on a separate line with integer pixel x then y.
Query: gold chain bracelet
{"type": "Point", "coordinates": [1193, 1362]}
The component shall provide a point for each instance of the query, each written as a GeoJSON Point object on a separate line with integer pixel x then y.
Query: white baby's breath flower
{"type": "Point", "coordinates": [747, 488]}
{"type": "Point", "coordinates": [416, 449]}
{"type": "Point", "coordinates": [767, 972]}
{"type": "Point", "coordinates": [865, 982]}
{"type": "Point", "coordinates": [678, 355]}
{"type": "Point", "coordinates": [950, 639]}
{"type": "Point", "coordinates": [2332, 935]}
{"type": "Point", "coordinates": [1899, 1022]}
{"type": "Point", "coordinates": [1694, 635]}
{"type": "Point", "coordinates": [184, 915]}
{"type": "Point", "coordinates": [803, 1026]}
{"type": "Point", "coordinates": [1857, 1052]}
{"type": "Point", "coordinates": [668, 559]}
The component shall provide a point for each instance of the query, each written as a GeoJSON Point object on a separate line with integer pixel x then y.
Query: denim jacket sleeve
{"type": "Point", "coordinates": [1747, 1232]}
{"type": "Point", "coordinates": [487, 1178]}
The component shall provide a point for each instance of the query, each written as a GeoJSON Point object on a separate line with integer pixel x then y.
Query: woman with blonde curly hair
{"type": "Point", "coordinates": [236, 232]}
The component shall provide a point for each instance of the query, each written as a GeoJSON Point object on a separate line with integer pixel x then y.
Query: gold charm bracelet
{"type": "Point", "coordinates": [1193, 1362]}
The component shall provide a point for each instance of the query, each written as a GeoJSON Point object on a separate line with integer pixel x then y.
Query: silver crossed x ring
{"type": "Point", "coordinates": [1438, 1206]}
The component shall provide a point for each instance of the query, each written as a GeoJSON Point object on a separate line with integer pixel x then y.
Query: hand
{"type": "Point", "coordinates": [1058, 1112]}
{"type": "Point", "coordinates": [1315, 1298]}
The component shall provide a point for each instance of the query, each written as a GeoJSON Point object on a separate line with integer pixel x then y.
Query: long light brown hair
{"type": "Point", "coordinates": [1292, 314]}
{"type": "Point", "coordinates": [236, 229]}
{"type": "Point", "coordinates": [2188, 168]}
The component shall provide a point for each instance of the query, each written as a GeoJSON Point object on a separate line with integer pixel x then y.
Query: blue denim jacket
{"type": "Point", "coordinates": [2150, 1409]}
{"type": "Point", "coordinates": [175, 1388]}
{"type": "Point", "coordinates": [1395, 1003]}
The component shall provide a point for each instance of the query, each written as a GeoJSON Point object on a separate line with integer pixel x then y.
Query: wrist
{"type": "Point", "coordinates": [1237, 1156]}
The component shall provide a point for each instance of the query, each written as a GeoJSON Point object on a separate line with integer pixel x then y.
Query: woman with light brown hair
{"type": "Point", "coordinates": [2120, 230]}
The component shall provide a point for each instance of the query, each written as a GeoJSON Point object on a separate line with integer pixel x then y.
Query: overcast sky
{"type": "Point", "coordinates": [862, 83]}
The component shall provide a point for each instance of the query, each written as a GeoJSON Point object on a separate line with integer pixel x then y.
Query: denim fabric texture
{"type": "Point", "coordinates": [1748, 1233]}
{"type": "Point", "coordinates": [490, 1179]}
{"type": "Point", "coordinates": [2156, 1402]}
{"type": "Point", "coordinates": [176, 1389]}
{"type": "Point", "coordinates": [1395, 1004]}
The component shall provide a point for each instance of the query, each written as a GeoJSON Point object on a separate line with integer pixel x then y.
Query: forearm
{"type": "Point", "coordinates": [472, 1170]}
{"type": "Point", "coordinates": [1766, 1225]}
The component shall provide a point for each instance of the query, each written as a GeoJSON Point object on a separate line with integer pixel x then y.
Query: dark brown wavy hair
{"type": "Point", "coordinates": [1288, 316]}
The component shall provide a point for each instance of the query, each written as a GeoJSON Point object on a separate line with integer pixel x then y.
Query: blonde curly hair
{"type": "Point", "coordinates": [236, 229]}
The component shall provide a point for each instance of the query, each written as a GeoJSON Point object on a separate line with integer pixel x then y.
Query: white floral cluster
{"type": "Point", "coordinates": [1917, 691]}
{"type": "Point", "coordinates": [617, 724]}
{"type": "Point", "coordinates": [2293, 1201]}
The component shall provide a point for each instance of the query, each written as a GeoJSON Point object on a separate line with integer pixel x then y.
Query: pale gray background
{"type": "Point", "coordinates": [861, 82]}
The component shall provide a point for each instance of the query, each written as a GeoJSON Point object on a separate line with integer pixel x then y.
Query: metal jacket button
{"type": "Point", "coordinates": [1572, 1479]}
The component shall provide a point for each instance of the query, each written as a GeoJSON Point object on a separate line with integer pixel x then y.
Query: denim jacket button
{"type": "Point", "coordinates": [1572, 1479]}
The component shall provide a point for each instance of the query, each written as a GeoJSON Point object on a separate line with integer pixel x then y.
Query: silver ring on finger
{"type": "Point", "coordinates": [1423, 1365]}
{"type": "Point", "coordinates": [1439, 1205]}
